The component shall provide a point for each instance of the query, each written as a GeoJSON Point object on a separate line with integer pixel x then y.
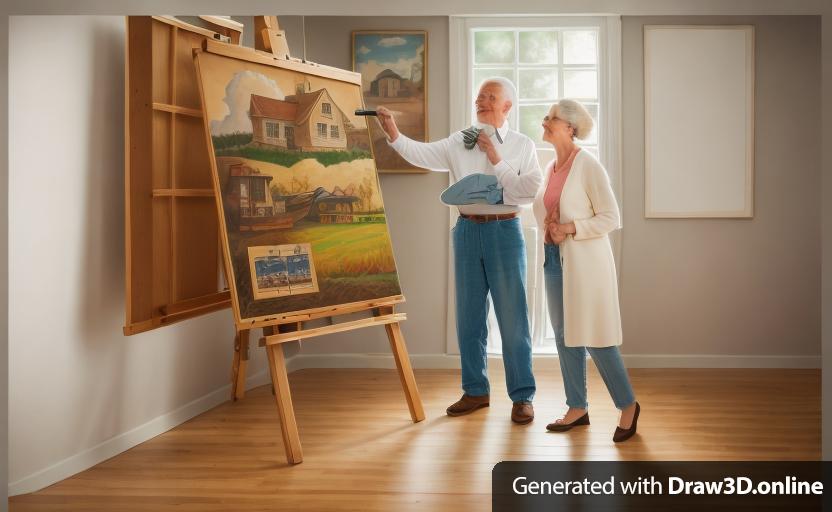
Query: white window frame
{"type": "Point", "coordinates": [322, 130]}
{"type": "Point", "coordinates": [609, 142]}
{"type": "Point", "coordinates": [334, 132]}
{"type": "Point", "coordinates": [275, 129]}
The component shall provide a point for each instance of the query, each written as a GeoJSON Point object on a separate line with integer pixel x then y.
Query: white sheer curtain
{"type": "Point", "coordinates": [548, 58]}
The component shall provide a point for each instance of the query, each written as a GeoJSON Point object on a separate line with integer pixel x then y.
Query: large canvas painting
{"type": "Point", "coordinates": [302, 211]}
{"type": "Point", "coordinates": [394, 68]}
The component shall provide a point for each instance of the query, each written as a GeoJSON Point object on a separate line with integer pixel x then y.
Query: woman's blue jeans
{"type": "Point", "coordinates": [573, 359]}
{"type": "Point", "coordinates": [490, 257]}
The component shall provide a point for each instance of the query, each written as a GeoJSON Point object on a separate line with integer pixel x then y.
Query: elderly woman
{"type": "Point", "coordinates": [576, 209]}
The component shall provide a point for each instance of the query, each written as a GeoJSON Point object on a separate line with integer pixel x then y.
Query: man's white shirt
{"type": "Point", "coordinates": [518, 171]}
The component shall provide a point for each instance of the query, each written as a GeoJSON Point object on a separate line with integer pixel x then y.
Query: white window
{"type": "Point", "coordinates": [545, 64]}
{"type": "Point", "coordinates": [326, 108]}
{"type": "Point", "coordinates": [547, 58]}
{"type": "Point", "coordinates": [333, 131]}
{"type": "Point", "coordinates": [322, 130]}
{"type": "Point", "coordinates": [272, 130]}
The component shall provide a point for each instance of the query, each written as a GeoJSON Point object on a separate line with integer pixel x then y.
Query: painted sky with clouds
{"type": "Point", "coordinates": [376, 52]}
{"type": "Point", "coordinates": [228, 84]}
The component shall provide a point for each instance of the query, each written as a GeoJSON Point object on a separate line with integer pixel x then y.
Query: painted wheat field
{"type": "Point", "coordinates": [353, 262]}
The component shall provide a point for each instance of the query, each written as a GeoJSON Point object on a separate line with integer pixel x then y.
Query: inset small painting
{"type": "Point", "coordinates": [281, 270]}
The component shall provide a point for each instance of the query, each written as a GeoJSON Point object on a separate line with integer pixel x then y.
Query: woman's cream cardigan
{"type": "Point", "coordinates": [592, 317]}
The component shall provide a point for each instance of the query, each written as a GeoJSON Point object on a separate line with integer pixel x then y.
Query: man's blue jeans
{"type": "Point", "coordinates": [573, 359]}
{"type": "Point", "coordinates": [491, 257]}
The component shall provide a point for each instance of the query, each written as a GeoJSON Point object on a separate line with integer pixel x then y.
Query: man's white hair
{"type": "Point", "coordinates": [509, 90]}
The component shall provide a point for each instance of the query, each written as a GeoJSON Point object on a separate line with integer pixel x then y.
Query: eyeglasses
{"type": "Point", "coordinates": [546, 119]}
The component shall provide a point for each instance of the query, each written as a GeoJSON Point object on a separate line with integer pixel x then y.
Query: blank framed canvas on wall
{"type": "Point", "coordinates": [699, 121]}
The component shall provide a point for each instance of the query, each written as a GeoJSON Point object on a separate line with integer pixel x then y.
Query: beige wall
{"type": "Point", "coordinates": [732, 286]}
{"type": "Point", "coordinates": [79, 390]}
{"type": "Point", "coordinates": [4, 267]}
{"type": "Point", "coordinates": [418, 222]}
{"type": "Point", "coordinates": [688, 287]}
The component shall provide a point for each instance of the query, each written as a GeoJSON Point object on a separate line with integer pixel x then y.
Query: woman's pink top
{"type": "Point", "coordinates": [559, 173]}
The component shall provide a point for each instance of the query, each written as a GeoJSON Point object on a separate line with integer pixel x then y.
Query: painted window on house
{"type": "Point", "coordinates": [322, 130]}
{"type": "Point", "coordinates": [272, 130]}
{"type": "Point", "coordinates": [333, 131]}
{"type": "Point", "coordinates": [258, 190]}
{"type": "Point", "coordinates": [326, 108]}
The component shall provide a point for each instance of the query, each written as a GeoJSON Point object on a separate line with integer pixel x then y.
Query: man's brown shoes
{"type": "Point", "coordinates": [467, 404]}
{"type": "Point", "coordinates": [522, 413]}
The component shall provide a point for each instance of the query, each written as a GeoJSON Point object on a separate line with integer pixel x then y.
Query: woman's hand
{"type": "Point", "coordinates": [555, 233]}
{"type": "Point", "coordinates": [387, 123]}
{"type": "Point", "coordinates": [547, 222]}
{"type": "Point", "coordinates": [485, 144]}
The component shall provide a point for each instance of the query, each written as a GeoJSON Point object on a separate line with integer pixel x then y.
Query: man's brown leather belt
{"type": "Point", "coordinates": [479, 219]}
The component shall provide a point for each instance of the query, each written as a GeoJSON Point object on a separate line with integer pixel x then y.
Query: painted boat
{"type": "Point", "coordinates": [290, 209]}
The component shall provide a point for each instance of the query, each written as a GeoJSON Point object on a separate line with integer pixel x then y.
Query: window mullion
{"type": "Point", "coordinates": [516, 123]}
{"type": "Point", "coordinates": [560, 65]}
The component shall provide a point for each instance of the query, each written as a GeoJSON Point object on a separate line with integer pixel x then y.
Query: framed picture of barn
{"type": "Point", "coordinates": [394, 73]}
{"type": "Point", "coordinates": [301, 213]}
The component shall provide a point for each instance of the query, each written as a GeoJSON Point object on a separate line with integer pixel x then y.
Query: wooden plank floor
{"type": "Point", "coordinates": [363, 453]}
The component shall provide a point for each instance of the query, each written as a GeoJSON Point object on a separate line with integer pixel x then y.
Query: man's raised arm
{"type": "Point", "coordinates": [430, 155]}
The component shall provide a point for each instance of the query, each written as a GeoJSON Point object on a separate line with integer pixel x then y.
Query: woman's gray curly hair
{"type": "Point", "coordinates": [576, 115]}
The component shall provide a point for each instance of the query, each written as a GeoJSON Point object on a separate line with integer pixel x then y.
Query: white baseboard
{"type": "Point", "coordinates": [450, 361]}
{"type": "Point", "coordinates": [122, 442]}
{"type": "Point", "coordinates": [721, 361]}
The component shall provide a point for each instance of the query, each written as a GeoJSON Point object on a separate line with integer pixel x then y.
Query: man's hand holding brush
{"type": "Point", "coordinates": [387, 123]}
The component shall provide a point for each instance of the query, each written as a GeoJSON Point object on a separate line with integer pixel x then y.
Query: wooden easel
{"type": "Point", "coordinates": [290, 328]}
{"type": "Point", "coordinates": [280, 329]}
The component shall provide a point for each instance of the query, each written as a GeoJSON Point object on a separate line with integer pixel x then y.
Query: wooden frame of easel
{"type": "Point", "coordinates": [278, 329]}
{"type": "Point", "coordinates": [169, 196]}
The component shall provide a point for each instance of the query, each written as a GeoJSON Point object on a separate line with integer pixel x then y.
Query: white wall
{"type": "Point", "coordinates": [732, 287]}
{"type": "Point", "coordinates": [699, 292]}
{"type": "Point", "coordinates": [434, 7]}
{"type": "Point", "coordinates": [418, 222]}
{"type": "Point", "coordinates": [75, 381]}
{"type": "Point", "coordinates": [4, 267]}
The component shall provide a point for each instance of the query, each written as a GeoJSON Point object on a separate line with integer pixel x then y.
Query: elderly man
{"type": "Point", "coordinates": [489, 251]}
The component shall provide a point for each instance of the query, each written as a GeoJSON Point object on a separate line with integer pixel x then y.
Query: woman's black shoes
{"type": "Point", "coordinates": [563, 427]}
{"type": "Point", "coordinates": [622, 434]}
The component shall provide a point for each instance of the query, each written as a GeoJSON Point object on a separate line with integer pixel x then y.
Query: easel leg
{"type": "Point", "coordinates": [288, 425]}
{"type": "Point", "coordinates": [411, 392]}
{"type": "Point", "coordinates": [238, 365]}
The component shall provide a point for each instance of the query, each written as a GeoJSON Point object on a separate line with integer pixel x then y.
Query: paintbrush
{"type": "Point", "coordinates": [363, 112]}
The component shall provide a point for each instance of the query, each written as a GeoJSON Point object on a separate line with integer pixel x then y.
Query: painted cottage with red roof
{"type": "Point", "coordinates": [306, 121]}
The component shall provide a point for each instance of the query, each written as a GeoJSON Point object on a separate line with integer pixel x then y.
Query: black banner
{"type": "Point", "coordinates": [672, 486]}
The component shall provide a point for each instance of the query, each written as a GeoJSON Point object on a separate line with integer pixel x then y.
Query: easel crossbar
{"type": "Point", "coordinates": [260, 57]}
{"type": "Point", "coordinates": [323, 312]}
{"type": "Point", "coordinates": [274, 339]}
